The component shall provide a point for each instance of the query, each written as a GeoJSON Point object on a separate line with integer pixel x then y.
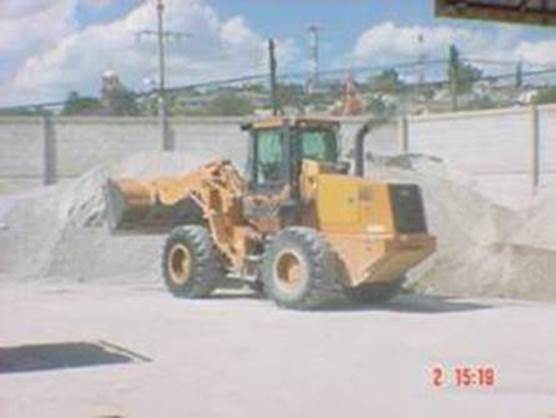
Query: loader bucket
{"type": "Point", "coordinates": [132, 206]}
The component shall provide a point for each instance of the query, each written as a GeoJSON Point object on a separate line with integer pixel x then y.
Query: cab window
{"type": "Point", "coordinates": [319, 145]}
{"type": "Point", "coordinates": [269, 157]}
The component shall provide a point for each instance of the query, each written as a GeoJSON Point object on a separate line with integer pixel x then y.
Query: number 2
{"type": "Point", "coordinates": [437, 376]}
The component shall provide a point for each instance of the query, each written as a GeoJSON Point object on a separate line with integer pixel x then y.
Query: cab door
{"type": "Point", "coordinates": [271, 204]}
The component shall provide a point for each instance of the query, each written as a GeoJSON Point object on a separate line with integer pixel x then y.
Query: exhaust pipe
{"type": "Point", "coordinates": [360, 150]}
{"type": "Point", "coordinates": [359, 147]}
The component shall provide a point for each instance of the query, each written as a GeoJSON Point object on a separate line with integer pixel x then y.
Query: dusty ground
{"type": "Point", "coordinates": [238, 356]}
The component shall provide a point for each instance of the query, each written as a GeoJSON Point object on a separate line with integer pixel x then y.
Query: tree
{"type": "Point", "coordinates": [23, 111]}
{"type": "Point", "coordinates": [77, 105]}
{"type": "Point", "coordinates": [229, 104]}
{"type": "Point", "coordinates": [121, 102]}
{"type": "Point", "coordinates": [387, 82]}
{"type": "Point", "coordinates": [464, 75]}
{"type": "Point", "coordinates": [255, 88]}
{"type": "Point", "coordinates": [290, 95]}
{"type": "Point", "coordinates": [467, 76]}
{"type": "Point", "coordinates": [546, 95]}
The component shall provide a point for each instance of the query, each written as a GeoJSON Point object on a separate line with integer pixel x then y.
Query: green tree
{"type": "Point", "coordinates": [255, 88]}
{"type": "Point", "coordinates": [229, 104]}
{"type": "Point", "coordinates": [122, 103]}
{"type": "Point", "coordinates": [546, 95]}
{"type": "Point", "coordinates": [22, 111]}
{"type": "Point", "coordinates": [387, 82]}
{"type": "Point", "coordinates": [377, 106]}
{"type": "Point", "coordinates": [465, 75]}
{"type": "Point", "coordinates": [291, 95]}
{"type": "Point", "coordinates": [77, 105]}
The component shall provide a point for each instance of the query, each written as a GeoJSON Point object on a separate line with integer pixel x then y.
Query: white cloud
{"type": "Point", "coordinates": [28, 29]}
{"type": "Point", "coordinates": [389, 43]}
{"type": "Point", "coordinates": [12, 9]}
{"type": "Point", "coordinates": [542, 52]}
{"type": "Point", "coordinates": [217, 49]}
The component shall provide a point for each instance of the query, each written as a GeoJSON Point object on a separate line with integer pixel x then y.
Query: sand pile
{"type": "Point", "coordinates": [540, 229]}
{"type": "Point", "coordinates": [483, 248]}
{"type": "Point", "coordinates": [59, 232]}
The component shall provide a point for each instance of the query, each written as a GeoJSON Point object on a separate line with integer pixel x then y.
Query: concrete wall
{"type": "Point", "coordinates": [495, 146]}
{"type": "Point", "coordinates": [83, 143]}
{"type": "Point", "coordinates": [21, 153]}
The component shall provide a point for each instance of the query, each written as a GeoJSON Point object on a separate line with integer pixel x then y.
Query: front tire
{"type": "Point", "coordinates": [190, 263]}
{"type": "Point", "coordinates": [298, 269]}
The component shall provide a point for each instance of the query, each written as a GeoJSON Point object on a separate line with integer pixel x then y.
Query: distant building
{"type": "Point", "coordinates": [115, 98]}
{"type": "Point", "coordinates": [110, 88]}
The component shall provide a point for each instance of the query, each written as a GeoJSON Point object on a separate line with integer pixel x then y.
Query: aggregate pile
{"type": "Point", "coordinates": [59, 233]}
{"type": "Point", "coordinates": [484, 249]}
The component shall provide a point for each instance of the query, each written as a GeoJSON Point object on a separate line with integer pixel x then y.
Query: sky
{"type": "Point", "coordinates": [51, 47]}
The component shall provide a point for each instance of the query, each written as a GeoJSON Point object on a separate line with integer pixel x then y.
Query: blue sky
{"type": "Point", "coordinates": [87, 13]}
{"type": "Point", "coordinates": [48, 47]}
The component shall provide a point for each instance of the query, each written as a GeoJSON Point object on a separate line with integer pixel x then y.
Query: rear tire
{"type": "Point", "coordinates": [190, 263]}
{"type": "Point", "coordinates": [298, 269]}
{"type": "Point", "coordinates": [374, 293]}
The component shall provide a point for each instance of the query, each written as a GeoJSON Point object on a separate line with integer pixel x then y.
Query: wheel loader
{"type": "Point", "coordinates": [295, 225]}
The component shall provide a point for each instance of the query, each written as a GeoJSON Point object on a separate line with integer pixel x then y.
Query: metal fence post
{"type": "Point", "coordinates": [49, 151]}
{"type": "Point", "coordinates": [535, 152]}
{"type": "Point", "coordinates": [403, 134]}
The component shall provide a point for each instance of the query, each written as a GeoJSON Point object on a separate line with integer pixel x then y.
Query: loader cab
{"type": "Point", "coordinates": [278, 146]}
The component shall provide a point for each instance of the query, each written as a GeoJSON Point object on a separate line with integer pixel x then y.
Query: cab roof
{"type": "Point", "coordinates": [281, 121]}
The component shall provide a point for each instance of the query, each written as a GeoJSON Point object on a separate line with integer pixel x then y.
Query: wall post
{"type": "Point", "coordinates": [403, 134]}
{"type": "Point", "coordinates": [535, 152]}
{"type": "Point", "coordinates": [49, 151]}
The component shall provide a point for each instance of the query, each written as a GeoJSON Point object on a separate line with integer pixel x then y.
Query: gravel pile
{"type": "Point", "coordinates": [483, 249]}
{"type": "Point", "coordinates": [540, 229]}
{"type": "Point", "coordinates": [59, 233]}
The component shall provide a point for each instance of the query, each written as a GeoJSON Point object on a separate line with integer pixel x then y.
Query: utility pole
{"type": "Point", "coordinates": [312, 83]}
{"type": "Point", "coordinates": [453, 75]}
{"type": "Point", "coordinates": [166, 139]}
{"type": "Point", "coordinates": [421, 59]}
{"type": "Point", "coordinates": [162, 110]}
{"type": "Point", "coordinates": [272, 64]}
{"type": "Point", "coordinates": [519, 74]}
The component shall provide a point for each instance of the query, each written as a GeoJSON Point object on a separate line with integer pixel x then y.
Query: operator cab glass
{"type": "Point", "coordinates": [318, 144]}
{"type": "Point", "coordinates": [269, 158]}
{"type": "Point", "coordinates": [277, 152]}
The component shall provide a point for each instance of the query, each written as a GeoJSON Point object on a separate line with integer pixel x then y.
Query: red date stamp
{"type": "Point", "coordinates": [463, 376]}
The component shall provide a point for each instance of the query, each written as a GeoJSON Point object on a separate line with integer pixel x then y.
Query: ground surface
{"type": "Point", "coordinates": [239, 356]}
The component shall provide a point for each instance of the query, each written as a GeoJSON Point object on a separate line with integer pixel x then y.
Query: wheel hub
{"type": "Point", "coordinates": [179, 264]}
{"type": "Point", "coordinates": [288, 270]}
